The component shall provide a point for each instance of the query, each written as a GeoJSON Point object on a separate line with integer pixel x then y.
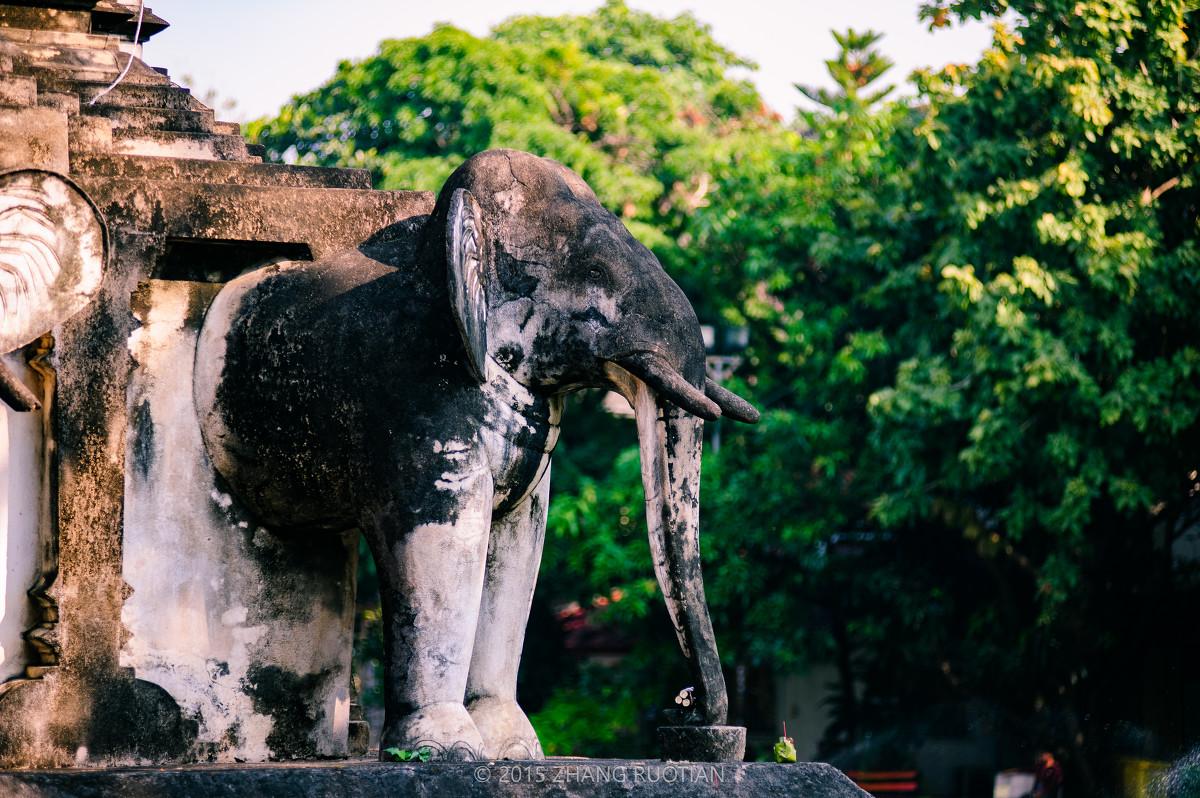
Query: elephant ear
{"type": "Point", "coordinates": [53, 249]}
{"type": "Point", "coordinates": [465, 258]}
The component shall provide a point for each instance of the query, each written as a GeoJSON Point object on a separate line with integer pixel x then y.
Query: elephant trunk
{"type": "Point", "coordinates": [670, 441]}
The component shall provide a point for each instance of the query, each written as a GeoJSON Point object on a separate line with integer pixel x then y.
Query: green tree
{"type": "Point", "coordinates": [1023, 265]}
{"type": "Point", "coordinates": [619, 96]}
{"type": "Point", "coordinates": [858, 65]}
{"type": "Point", "coordinates": [1045, 409]}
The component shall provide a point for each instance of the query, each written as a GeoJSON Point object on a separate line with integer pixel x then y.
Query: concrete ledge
{"type": "Point", "coordinates": [561, 778]}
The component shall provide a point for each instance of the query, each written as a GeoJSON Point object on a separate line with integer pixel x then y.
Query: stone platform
{"type": "Point", "coordinates": [561, 778]}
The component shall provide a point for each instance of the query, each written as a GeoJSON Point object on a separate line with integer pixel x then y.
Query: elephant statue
{"type": "Point", "coordinates": [53, 250]}
{"type": "Point", "coordinates": [412, 388]}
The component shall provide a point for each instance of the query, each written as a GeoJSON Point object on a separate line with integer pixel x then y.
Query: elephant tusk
{"type": "Point", "coordinates": [732, 405]}
{"type": "Point", "coordinates": [670, 384]}
{"type": "Point", "coordinates": [669, 444]}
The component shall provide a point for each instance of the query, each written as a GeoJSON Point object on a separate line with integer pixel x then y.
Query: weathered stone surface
{"type": "Point", "coordinates": [33, 138]}
{"type": "Point", "coordinates": [331, 219]}
{"type": "Point", "coordinates": [158, 94]}
{"type": "Point", "coordinates": [127, 118]}
{"type": "Point", "coordinates": [63, 103]}
{"type": "Point", "coordinates": [559, 778]}
{"type": "Point", "coordinates": [178, 144]}
{"type": "Point", "coordinates": [15, 16]}
{"type": "Point", "coordinates": [18, 91]}
{"type": "Point", "coordinates": [215, 616]}
{"type": "Point", "coordinates": [702, 743]}
{"type": "Point", "coordinates": [243, 670]}
{"type": "Point", "coordinates": [137, 168]}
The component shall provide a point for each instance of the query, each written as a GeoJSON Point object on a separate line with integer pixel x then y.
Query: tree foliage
{"type": "Point", "coordinates": [973, 334]}
{"type": "Point", "coordinates": [622, 97]}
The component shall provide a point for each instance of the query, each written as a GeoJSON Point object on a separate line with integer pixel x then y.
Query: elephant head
{"type": "Point", "coordinates": [554, 289]}
{"type": "Point", "coordinates": [53, 248]}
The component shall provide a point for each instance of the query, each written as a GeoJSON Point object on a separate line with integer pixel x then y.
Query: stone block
{"type": "Point", "coordinates": [18, 91]}
{"type": "Point", "coordinates": [142, 169]}
{"type": "Point", "coordinates": [64, 39]}
{"type": "Point", "coordinates": [702, 743]}
{"type": "Point", "coordinates": [162, 94]}
{"type": "Point", "coordinates": [33, 138]}
{"type": "Point", "coordinates": [53, 19]}
{"type": "Point", "coordinates": [126, 118]}
{"type": "Point", "coordinates": [173, 144]}
{"type": "Point", "coordinates": [91, 134]}
{"type": "Point", "coordinates": [331, 220]}
{"type": "Point", "coordinates": [63, 103]}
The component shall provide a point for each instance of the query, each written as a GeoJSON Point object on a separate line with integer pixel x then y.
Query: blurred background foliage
{"type": "Point", "coordinates": [973, 315]}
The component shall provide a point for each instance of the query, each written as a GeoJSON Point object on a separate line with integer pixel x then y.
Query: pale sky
{"type": "Point", "coordinates": [261, 52]}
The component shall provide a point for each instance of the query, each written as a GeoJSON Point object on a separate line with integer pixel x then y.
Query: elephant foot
{"type": "Point", "coordinates": [446, 729]}
{"type": "Point", "coordinates": [506, 731]}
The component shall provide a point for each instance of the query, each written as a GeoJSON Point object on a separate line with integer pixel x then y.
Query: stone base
{"type": "Point", "coordinates": [562, 778]}
{"type": "Point", "coordinates": [702, 743]}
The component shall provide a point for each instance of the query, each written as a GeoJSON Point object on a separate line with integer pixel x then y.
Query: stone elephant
{"type": "Point", "coordinates": [412, 388]}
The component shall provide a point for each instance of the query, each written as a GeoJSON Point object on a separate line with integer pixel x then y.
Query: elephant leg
{"type": "Point", "coordinates": [514, 554]}
{"type": "Point", "coordinates": [431, 580]}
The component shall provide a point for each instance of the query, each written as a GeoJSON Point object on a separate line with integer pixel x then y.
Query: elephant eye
{"type": "Point", "coordinates": [595, 273]}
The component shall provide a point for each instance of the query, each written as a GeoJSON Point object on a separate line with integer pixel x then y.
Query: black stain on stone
{"type": "Point", "coordinates": [592, 316]}
{"type": "Point", "coordinates": [515, 275]}
{"type": "Point", "coordinates": [143, 439]}
{"type": "Point", "coordinates": [510, 357]}
{"type": "Point", "coordinates": [293, 702]}
{"type": "Point", "coordinates": [233, 736]}
{"type": "Point", "coordinates": [131, 716]}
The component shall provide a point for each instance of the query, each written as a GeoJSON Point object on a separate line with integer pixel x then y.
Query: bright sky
{"type": "Point", "coordinates": [261, 52]}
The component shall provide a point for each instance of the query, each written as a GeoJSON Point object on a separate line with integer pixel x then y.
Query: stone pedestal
{"type": "Point", "coordinates": [561, 778]}
{"type": "Point", "coordinates": [702, 743]}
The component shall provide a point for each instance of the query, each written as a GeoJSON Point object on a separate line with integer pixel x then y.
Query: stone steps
{"type": "Point", "coordinates": [58, 38]}
{"type": "Point", "coordinates": [158, 119]}
{"type": "Point", "coordinates": [18, 90]}
{"type": "Point", "coordinates": [90, 134]}
{"type": "Point", "coordinates": [172, 144]}
{"type": "Point", "coordinates": [145, 115]}
{"type": "Point", "coordinates": [138, 168]}
{"type": "Point", "coordinates": [63, 58]}
{"type": "Point", "coordinates": [19, 16]}
{"type": "Point", "coordinates": [60, 101]}
{"type": "Point", "coordinates": [141, 118]}
{"type": "Point", "coordinates": [163, 96]}
{"type": "Point", "coordinates": [139, 73]}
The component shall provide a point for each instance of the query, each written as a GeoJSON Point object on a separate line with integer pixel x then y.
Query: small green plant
{"type": "Point", "coordinates": [404, 755]}
{"type": "Point", "coordinates": [785, 749]}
